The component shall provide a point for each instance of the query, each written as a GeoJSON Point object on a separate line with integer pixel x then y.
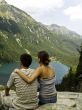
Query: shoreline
{"type": "Point", "coordinates": [0, 65]}
{"type": "Point", "coordinates": [2, 87]}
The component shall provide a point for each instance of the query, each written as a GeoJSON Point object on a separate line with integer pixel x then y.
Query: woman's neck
{"type": "Point", "coordinates": [41, 64]}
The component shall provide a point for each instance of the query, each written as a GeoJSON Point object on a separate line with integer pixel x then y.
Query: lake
{"type": "Point", "coordinates": [6, 69]}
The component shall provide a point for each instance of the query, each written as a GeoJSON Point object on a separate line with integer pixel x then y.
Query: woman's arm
{"type": "Point", "coordinates": [34, 75]}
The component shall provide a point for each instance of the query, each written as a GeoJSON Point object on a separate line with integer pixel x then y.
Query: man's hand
{"type": "Point", "coordinates": [7, 91]}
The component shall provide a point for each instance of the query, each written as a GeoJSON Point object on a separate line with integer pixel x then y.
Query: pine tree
{"type": "Point", "coordinates": [79, 67]}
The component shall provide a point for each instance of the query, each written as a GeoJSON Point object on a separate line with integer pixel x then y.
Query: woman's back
{"type": "Point", "coordinates": [47, 72]}
{"type": "Point", "coordinates": [47, 82]}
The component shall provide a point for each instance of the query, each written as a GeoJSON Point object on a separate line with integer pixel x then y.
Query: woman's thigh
{"type": "Point", "coordinates": [48, 100]}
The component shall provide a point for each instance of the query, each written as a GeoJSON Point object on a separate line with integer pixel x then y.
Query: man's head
{"type": "Point", "coordinates": [26, 60]}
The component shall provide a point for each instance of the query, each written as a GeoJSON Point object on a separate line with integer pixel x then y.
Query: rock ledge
{"type": "Point", "coordinates": [65, 101]}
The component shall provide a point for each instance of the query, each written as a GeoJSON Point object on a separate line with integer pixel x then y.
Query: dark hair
{"type": "Point", "coordinates": [26, 59]}
{"type": "Point", "coordinates": [44, 57]}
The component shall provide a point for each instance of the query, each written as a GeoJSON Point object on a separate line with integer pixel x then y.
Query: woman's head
{"type": "Point", "coordinates": [43, 57]}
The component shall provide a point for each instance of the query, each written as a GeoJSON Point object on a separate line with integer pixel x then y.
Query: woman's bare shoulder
{"type": "Point", "coordinates": [38, 69]}
{"type": "Point", "coordinates": [51, 67]}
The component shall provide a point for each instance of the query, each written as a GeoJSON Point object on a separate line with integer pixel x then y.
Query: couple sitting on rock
{"type": "Point", "coordinates": [26, 82]}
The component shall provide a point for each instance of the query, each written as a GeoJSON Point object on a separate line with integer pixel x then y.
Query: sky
{"type": "Point", "coordinates": [66, 13]}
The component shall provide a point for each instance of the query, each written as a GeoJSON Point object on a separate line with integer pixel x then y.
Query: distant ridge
{"type": "Point", "coordinates": [62, 29]}
{"type": "Point", "coordinates": [2, 2]}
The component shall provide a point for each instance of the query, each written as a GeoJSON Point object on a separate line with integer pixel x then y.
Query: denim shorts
{"type": "Point", "coordinates": [52, 99]}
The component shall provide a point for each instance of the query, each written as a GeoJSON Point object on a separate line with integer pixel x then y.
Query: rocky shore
{"type": "Point", "coordinates": [65, 101]}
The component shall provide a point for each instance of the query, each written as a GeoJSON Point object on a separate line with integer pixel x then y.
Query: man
{"type": "Point", "coordinates": [26, 94]}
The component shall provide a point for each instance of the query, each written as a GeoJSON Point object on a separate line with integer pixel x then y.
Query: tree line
{"type": "Point", "coordinates": [73, 80]}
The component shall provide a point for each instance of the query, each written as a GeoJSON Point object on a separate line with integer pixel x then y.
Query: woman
{"type": "Point", "coordinates": [46, 78]}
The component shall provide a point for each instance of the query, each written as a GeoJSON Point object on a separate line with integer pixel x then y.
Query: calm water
{"type": "Point", "coordinates": [6, 70]}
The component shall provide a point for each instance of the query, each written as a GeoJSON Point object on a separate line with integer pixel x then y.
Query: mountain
{"type": "Point", "coordinates": [69, 41]}
{"type": "Point", "coordinates": [20, 33]}
{"type": "Point", "coordinates": [62, 30]}
{"type": "Point", "coordinates": [3, 2]}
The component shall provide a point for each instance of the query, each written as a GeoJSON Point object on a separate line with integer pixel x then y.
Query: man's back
{"type": "Point", "coordinates": [26, 93]}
